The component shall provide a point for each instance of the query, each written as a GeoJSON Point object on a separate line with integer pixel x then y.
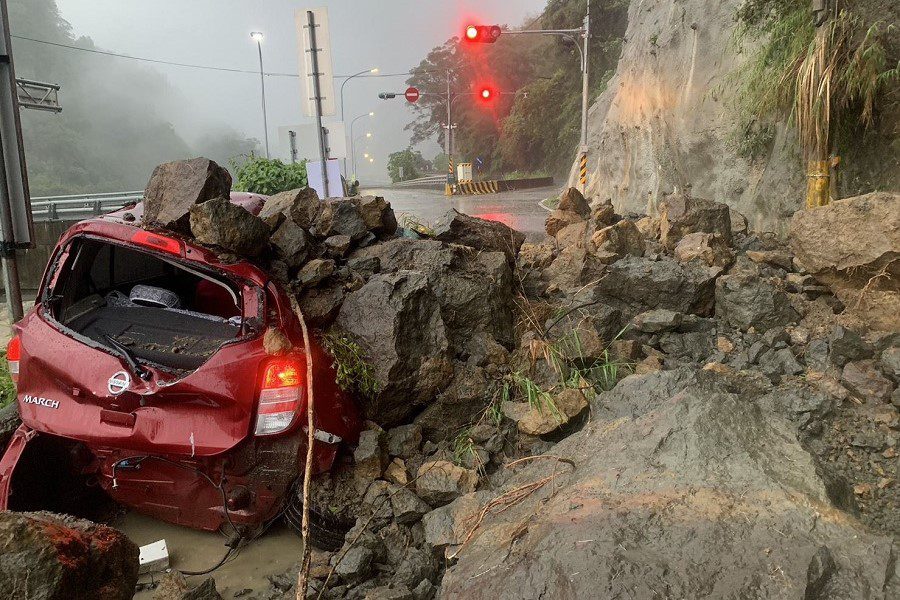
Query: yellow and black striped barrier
{"type": "Point", "coordinates": [475, 188]}
{"type": "Point", "coordinates": [582, 171]}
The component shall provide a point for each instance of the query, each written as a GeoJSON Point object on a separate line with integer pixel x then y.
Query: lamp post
{"type": "Point", "coordinates": [352, 154]}
{"type": "Point", "coordinates": [373, 70]}
{"type": "Point", "coordinates": [257, 36]}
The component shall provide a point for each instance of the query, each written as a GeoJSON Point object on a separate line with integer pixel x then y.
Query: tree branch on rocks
{"type": "Point", "coordinates": [303, 575]}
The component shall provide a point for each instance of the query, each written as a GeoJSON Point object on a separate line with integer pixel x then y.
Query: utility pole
{"type": "Point", "coordinates": [16, 226]}
{"type": "Point", "coordinates": [313, 49]}
{"type": "Point", "coordinates": [448, 189]}
{"type": "Point", "coordinates": [582, 158]}
{"type": "Point", "coordinates": [257, 36]}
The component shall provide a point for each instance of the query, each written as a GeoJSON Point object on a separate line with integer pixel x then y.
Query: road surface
{"type": "Point", "coordinates": [517, 209]}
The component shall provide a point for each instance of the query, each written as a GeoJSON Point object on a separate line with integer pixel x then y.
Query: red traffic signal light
{"type": "Point", "coordinates": [485, 34]}
{"type": "Point", "coordinates": [486, 94]}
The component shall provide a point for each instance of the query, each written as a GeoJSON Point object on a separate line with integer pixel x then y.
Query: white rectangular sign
{"type": "Point", "coordinates": [314, 178]}
{"type": "Point", "coordinates": [307, 144]}
{"type": "Point", "coordinates": [323, 54]}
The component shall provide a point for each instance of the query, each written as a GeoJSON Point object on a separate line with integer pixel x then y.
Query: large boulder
{"type": "Point", "coordinates": [853, 246]}
{"type": "Point", "coordinates": [699, 494]}
{"type": "Point", "coordinates": [680, 215]}
{"type": "Point", "coordinates": [560, 219]}
{"type": "Point", "coordinates": [377, 214]}
{"type": "Point", "coordinates": [636, 284]}
{"type": "Point", "coordinates": [618, 240]}
{"type": "Point", "coordinates": [481, 234]}
{"type": "Point", "coordinates": [745, 300]}
{"type": "Point", "coordinates": [571, 200]}
{"type": "Point", "coordinates": [301, 205]}
{"type": "Point", "coordinates": [55, 557]}
{"type": "Point", "coordinates": [340, 217]}
{"type": "Point", "coordinates": [396, 319]}
{"type": "Point", "coordinates": [175, 187]}
{"type": "Point", "coordinates": [474, 289]}
{"type": "Point", "coordinates": [218, 222]}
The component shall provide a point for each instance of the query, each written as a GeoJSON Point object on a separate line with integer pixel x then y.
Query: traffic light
{"type": "Point", "coordinates": [483, 34]}
{"type": "Point", "coordinates": [486, 94]}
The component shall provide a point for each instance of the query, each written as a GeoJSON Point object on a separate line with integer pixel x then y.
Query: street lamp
{"type": "Point", "coordinates": [257, 37]}
{"type": "Point", "coordinates": [352, 140]}
{"type": "Point", "coordinates": [373, 70]}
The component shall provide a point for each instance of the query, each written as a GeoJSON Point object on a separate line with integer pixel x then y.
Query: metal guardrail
{"type": "Point", "coordinates": [80, 206]}
{"type": "Point", "coordinates": [437, 181]}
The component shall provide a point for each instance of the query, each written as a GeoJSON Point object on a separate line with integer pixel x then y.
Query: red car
{"type": "Point", "coordinates": [142, 375]}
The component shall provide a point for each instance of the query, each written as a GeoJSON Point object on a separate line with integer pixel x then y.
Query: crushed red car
{"type": "Point", "coordinates": [142, 375]}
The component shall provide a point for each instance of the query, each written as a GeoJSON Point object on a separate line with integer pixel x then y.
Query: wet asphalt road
{"type": "Point", "coordinates": [518, 209]}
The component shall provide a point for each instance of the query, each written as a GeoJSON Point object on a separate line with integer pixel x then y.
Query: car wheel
{"type": "Point", "coordinates": [326, 531]}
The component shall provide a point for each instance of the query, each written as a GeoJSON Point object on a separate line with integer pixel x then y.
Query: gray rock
{"type": "Point", "coordinates": [712, 437]}
{"type": "Point", "coordinates": [292, 243]}
{"type": "Point", "coordinates": [440, 482]}
{"type": "Point", "coordinates": [218, 222]}
{"type": "Point", "coordinates": [744, 300]}
{"type": "Point", "coordinates": [315, 271]}
{"type": "Point", "coordinates": [300, 205]}
{"type": "Point", "coordinates": [340, 217]}
{"type": "Point", "coordinates": [356, 564]}
{"type": "Point", "coordinates": [408, 508]}
{"type": "Point", "coordinates": [638, 284]}
{"type": "Point", "coordinates": [377, 214]}
{"type": "Point", "coordinates": [320, 305]}
{"type": "Point", "coordinates": [560, 219]}
{"type": "Point", "coordinates": [657, 321]}
{"type": "Point", "coordinates": [572, 200]}
{"type": "Point", "coordinates": [890, 363]}
{"type": "Point", "coordinates": [710, 248]}
{"type": "Point", "coordinates": [449, 524]}
{"type": "Point", "coordinates": [847, 345]}
{"type": "Point", "coordinates": [863, 379]}
{"type": "Point", "coordinates": [775, 363]}
{"type": "Point", "coordinates": [392, 592]}
{"type": "Point", "coordinates": [396, 319]}
{"type": "Point", "coordinates": [337, 246]}
{"type": "Point", "coordinates": [43, 555]}
{"type": "Point", "coordinates": [424, 591]}
{"type": "Point", "coordinates": [365, 265]}
{"type": "Point", "coordinates": [416, 566]}
{"type": "Point", "coordinates": [370, 456]}
{"type": "Point", "coordinates": [175, 187]}
{"type": "Point", "coordinates": [404, 440]}
{"type": "Point", "coordinates": [573, 268]}
{"type": "Point", "coordinates": [468, 393]}
{"type": "Point", "coordinates": [9, 422]}
{"type": "Point", "coordinates": [681, 215]}
{"type": "Point", "coordinates": [491, 236]}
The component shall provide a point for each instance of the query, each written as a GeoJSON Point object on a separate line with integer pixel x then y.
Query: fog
{"type": "Point", "coordinates": [392, 35]}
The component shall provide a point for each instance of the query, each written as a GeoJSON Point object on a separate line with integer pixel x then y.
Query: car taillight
{"type": "Point", "coordinates": [280, 396]}
{"type": "Point", "coordinates": [149, 239]}
{"type": "Point", "coordinates": [13, 354]}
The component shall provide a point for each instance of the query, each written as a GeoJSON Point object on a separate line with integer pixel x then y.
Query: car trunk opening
{"type": "Point", "coordinates": [146, 307]}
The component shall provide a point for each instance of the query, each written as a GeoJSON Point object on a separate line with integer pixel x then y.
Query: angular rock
{"type": "Point", "coordinates": [387, 592]}
{"type": "Point", "coordinates": [846, 345]}
{"type": "Point", "coordinates": [218, 222]}
{"type": "Point", "coordinates": [315, 271]}
{"type": "Point", "coordinates": [657, 502]}
{"type": "Point", "coordinates": [492, 236]}
{"type": "Point", "coordinates": [621, 239]}
{"type": "Point", "coordinates": [300, 205]}
{"type": "Point", "coordinates": [863, 379]}
{"type": "Point", "coordinates": [744, 300]}
{"type": "Point", "coordinates": [474, 289]}
{"type": "Point", "coordinates": [657, 321]}
{"type": "Point", "coordinates": [567, 405]}
{"type": "Point", "coordinates": [852, 245]}
{"type": "Point", "coordinates": [468, 393]}
{"type": "Point", "coordinates": [43, 555]}
{"type": "Point", "coordinates": [396, 472]}
{"type": "Point", "coordinates": [681, 215]}
{"type": "Point", "coordinates": [340, 217]}
{"type": "Point", "coordinates": [404, 441]}
{"type": "Point", "coordinates": [709, 248]}
{"type": "Point", "coordinates": [449, 525]}
{"type": "Point", "coordinates": [776, 258]}
{"type": "Point", "coordinates": [775, 363]}
{"type": "Point", "coordinates": [559, 219]}
{"type": "Point", "coordinates": [337, 245]}
{"type": "Point", "coordinates": [377, 214]}
{"type": "Point", "coordinates": [416, 566]}
{"type": "Point", "coordinates": [571, 200]}
{"type": "Point", "coordinates": [175, 187]}
{"type": "Point", "coordinates": [576, 233]}
{"type": "Point", "coordinates": [370, 456]}
{"type": "Point", "coordinates": [603, 215]}
{"type": "Point", "coordinates": [636, 284]}
{"type": "Point", "coordinates": [574, 267]}
{"type": "Point", "coordinates": [320, 305]}
{"type": "Point", "coordinates": [396, 320]}
{"type": "Point", "coordinates": [408, 508]}
{"type": "Point", "coordinates": [440, 482]}
{"type": "Point", "coordinates": [738, 222]}
{"type": "Point", "coordinates": [890, 365]}
{"type": "Point", "coordinates": [355, 565]}
{"type": "Point", "coordinates": [292, 243]}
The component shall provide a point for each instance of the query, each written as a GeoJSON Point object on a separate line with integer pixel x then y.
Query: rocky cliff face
{"type": "Point", "coordinates": [667, 120]}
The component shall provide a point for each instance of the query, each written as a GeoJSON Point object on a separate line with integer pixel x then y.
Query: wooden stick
{"type": "Point", "coordinates": [303, 575]}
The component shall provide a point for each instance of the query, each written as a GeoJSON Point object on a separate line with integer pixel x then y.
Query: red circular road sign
{"type": "Point", "coordinates": [412, 94]}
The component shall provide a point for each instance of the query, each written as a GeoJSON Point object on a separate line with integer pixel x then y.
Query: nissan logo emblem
{"type": "Point", "coordinates": [118, 383]}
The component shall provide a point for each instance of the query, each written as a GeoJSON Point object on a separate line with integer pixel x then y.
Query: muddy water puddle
{"type": "Point", "coordinates": [191, 550]}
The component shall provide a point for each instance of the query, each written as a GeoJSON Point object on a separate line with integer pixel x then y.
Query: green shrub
{"type": "Point", "coordinates": [354, 374]}
{"type": "Point", "coordinates": [268, 176]}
